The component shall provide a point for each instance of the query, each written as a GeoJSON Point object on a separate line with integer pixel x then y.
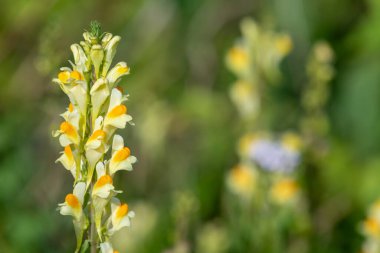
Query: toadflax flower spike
{"type": "Point", "coordinates": [95, 112]}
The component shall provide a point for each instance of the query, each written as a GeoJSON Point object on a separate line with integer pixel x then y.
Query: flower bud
{"type": "Point", "coordinates": [97, 56]}
{"type": "Point", "coordinates": [87, 36]}
{"type": "Point", "coordinates": [86, 47]}
{"type": "Point", "coordinates": [106, 38]}
{"type": "Point", "coordinates": [110, 51]}
{"type": "Point", "coordinates": [80, 58]}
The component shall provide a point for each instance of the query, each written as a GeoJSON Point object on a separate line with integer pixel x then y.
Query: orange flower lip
{"type": "Point", "coordinates": [239, 55]}
{"type": "Point", "coordinates": [71, 107]}
{"type": "Point", "coordinates": [122, 70]}
{"type": "Point", "coordinates": [122, 154]}
{"type": "Point", "coordinates": [122, 210]}
{"type": "Point", "coordinates": [76, 75]}
{"type": "Point", "coordinates": [64, 76]}
{"type": "Point", "coordinates": [102, 181]}
{"type": "Point", "coordinates": [68, 129]}
{"type": "Point", "coordinates": [68, 152]}
{"type": "Point", "coordinates": [97, 134]}
{"type": "Point", "coordinates": [241, 176]}
{"type": "Point", "coordinates": [72, 200]}
{"type": "Point", "coordinates": [372, 226]}
{"type": "Point", "coordinates": [117, 111]}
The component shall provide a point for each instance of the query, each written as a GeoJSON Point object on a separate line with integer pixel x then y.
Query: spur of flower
{"type": "Point", "coordinates": [87, 132]}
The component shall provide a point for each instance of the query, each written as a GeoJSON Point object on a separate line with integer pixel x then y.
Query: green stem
{"type": "Point", "coordinates": [93, 232]}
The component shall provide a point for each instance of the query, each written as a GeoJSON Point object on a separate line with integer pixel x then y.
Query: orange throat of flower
{"type": "Point", "coordinates": [122, 154]}
{"type": "Point", "coordinates": [98, 134]}
{"type": "Point", "coordinates": [102, 181]}
{"type": "Point", "coordinates": [122, 211]}
{"type": "Point", "coordinates": [69, 153]}
{"type": "Point", "coordinates": [117, 111]}
{"type": "Point", "coordinates": [72, 201]}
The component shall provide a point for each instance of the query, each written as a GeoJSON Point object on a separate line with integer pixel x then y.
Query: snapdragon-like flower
{"type": "Point", "coordinates": [254, 59]}
{"type": "Point", "coordinates": [67, 159]}
{"type": "Point", "coordinates": [74, 202]}
{"type": "Point", "coordinates": [121, 156]}
{"type": "Point", "coordinates": [116, 116]}
{"type": "Point", "coordinates": [121, 216]}
{"type": "Point", "coordinates": [103, 186]}
{"type": "Point", "coordinates": [95, 112]}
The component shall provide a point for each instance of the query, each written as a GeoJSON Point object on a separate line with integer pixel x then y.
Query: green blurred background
{"type": "Point", "coordinates": [186, 131]}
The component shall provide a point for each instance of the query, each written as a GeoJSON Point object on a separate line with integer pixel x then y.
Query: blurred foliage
{"type": "Point", "coordinates": [186, 128]}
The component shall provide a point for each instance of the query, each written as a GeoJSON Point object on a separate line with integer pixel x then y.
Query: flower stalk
{"type": "Point", "coordinates": [93, 153]}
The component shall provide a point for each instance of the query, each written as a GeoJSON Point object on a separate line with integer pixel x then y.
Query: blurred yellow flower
{"type": "Point", "coordinates": [371, 227]}
{"type": "Point", "coordinates": [242, 180]}
{"type": "Point", "coordinates": [238, 59]}
{"type": "Point", "coordinates": [291, 141]}
{"type": "Point", "coordinates": [74, 201]}
{"type": "Point", "coordinates": [246, 98]}
{"type": "Point", "coordinates": [284, 190]}
{"type": "Point", "coordinates": [283, 44]}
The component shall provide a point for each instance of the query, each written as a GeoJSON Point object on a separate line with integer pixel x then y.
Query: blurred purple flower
{"type": "Point", "coordinates": [273, 156]}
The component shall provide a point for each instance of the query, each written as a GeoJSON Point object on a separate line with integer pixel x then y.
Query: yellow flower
{"type": "Point", "coordinates": [121, 69]}
{"type": "Point", "coordinates": [246, 98]}
{"type": "Point", "coordinates": [96, 145]}
{"type": "Point", "coordinates": [291, 141]}
{"type": "Point", "coordinates": [64, 76]}
{"type": "Point", "coordinates": [121, 216]}
{"type": "Point", "coordinates": [73, 202]}
{"type": "Point", "coordinates": [121, 156]}
{"type": "Point", "coordinates": [371, 227]}
{"type": "Point", "coordinates": [283, 44]}
{"type": "Point", "coordinates": [116, 116]}
{"type": "Point", "coordinates": [242, 180]}
{"type": "Point", "coordinates": [103, 186]}
{"type": "Point", "coordinates": [238, 59]}
{"type": "Point", "coordinates": [67, 159]}
{"type": "Point", "coordinates": [285, 190]}
{"type": "Point", "coordinates": [73, 84]}
{"type": "Point", "coordinates": [68, 134]}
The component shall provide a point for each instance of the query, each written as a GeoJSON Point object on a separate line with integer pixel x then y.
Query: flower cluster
{"type": "Point", "coordinates": [255, 60]}
{"type": "Point", "coordinates": [260, 153]}
{"type": "Point", "coordinates": [87, 134]}
{"type": "Point", "coordinates": [265, 178]}
{"type": "Point", "coordinates": [316, 93]}
{"type": "Point", "coordinates": [370, 228]}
